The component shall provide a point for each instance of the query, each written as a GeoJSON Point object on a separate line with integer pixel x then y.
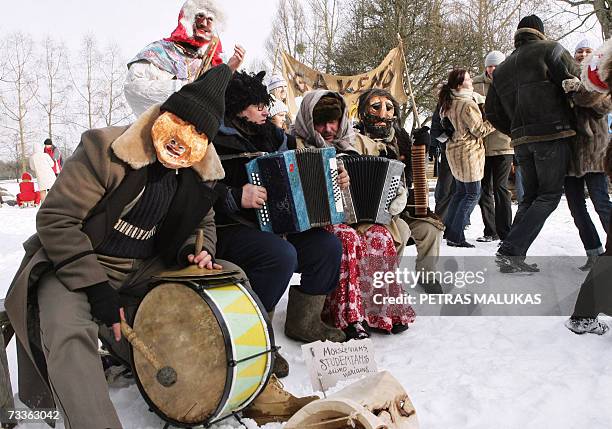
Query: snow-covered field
{"type": "Point", "coordinates": [460, 372]}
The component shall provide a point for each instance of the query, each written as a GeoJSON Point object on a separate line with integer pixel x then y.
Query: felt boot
{"type": "Point", "coordinates": [304, 319]}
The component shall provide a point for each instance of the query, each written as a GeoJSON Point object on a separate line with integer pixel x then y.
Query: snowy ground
{"type": "Point", "coordinates": [460, 372]}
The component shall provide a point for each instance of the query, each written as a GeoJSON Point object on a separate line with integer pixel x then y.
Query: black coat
{"type": "Point", "coordinates": [526, 100]}
{"type": "Point", "coordinates": [235, 150]}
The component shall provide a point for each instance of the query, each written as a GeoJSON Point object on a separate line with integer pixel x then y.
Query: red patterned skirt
{"type": "Point", "coordinates": [354, 298]}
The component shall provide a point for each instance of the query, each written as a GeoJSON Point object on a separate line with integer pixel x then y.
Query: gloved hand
{"type": "Point", "coordinates": [104, 302]}
{"type": "Point", "coordinates": [571, 85]}
{"type": "Point", "coordinates": [399, 202]}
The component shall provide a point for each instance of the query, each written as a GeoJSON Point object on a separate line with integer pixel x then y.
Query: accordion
{"type": "Point", "coordinates": [303, 193]}
{"type": "Point", "coordinates": [302, 189]}
{"type": "Point", "coordinates": [374, 184]}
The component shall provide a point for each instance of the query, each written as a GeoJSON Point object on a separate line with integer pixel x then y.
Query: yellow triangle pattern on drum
{"type": "Point", "coordinates": [244, 389]}
{"type": "Point", "coordinates": [253, 337]}
{"type": "Point", "coordinates": [240, 324]}
{"type": "Point", "coordinates": [256, 368]}
{"type": "Point", "coordinates": [241, 305]}
{"type": "Point", "coordinates": [225, 295]}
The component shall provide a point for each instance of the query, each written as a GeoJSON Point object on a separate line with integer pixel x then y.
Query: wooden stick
{"type": "Point", "coordinates": [414, 109]}
{"type": "Point", "coordinates": [199, 243]}
{"type": "Point", "coordinates": [166, 375]}
{"type": "Point", "coordinates": [212, 47]}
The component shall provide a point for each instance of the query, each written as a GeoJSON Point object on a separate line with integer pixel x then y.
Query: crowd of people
{"type": "Point", "coordinates": [130, 199]}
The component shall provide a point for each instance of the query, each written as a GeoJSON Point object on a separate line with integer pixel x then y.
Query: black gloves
{"type": "Point", "coordinates": [104, 301]}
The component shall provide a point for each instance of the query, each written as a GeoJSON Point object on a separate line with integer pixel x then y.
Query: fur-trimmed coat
{"type": "Point", "coordinates": [592, 135]}
{"type": "Point", "coordinates": [104, 175]}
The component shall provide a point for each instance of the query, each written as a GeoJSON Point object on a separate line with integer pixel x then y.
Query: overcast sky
{"type": "Point", "coordinates": [132, 23]}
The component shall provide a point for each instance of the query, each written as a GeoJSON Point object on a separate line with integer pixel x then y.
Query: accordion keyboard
{"type": "Point", "coordinates": [263, 212]}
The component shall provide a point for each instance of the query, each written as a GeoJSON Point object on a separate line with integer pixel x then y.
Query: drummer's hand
{"type": "Point", "coordinates": [117, 326]}
{"type": "Point", "coordinates": [253, 197]}
{"type": "Point", "coordinates": [203, 260]}
{"type": "Point", "coordinates": [343, 178]}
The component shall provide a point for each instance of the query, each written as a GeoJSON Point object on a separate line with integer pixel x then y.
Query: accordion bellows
{"type": "Point", "coordinates": [303, 192]}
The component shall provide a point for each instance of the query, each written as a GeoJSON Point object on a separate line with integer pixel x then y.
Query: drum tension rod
{"type": "Point", "coordinates": [232, 363]}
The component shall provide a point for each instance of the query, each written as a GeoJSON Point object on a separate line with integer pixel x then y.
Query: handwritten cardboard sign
{"type": "Point", "coordinates": [329, 362]}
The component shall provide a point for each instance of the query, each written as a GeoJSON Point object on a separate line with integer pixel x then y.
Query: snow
{"type": "Point", "coordinates": [460, 372]}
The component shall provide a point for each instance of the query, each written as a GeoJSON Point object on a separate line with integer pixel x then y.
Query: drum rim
{"type": "Point", "coordinates": [228, 351]}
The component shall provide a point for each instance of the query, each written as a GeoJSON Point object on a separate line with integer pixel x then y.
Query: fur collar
{"type": "Point", "coordinates": [135, 147]}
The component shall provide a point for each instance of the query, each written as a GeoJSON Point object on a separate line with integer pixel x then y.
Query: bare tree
{"type": "Point", "coordinates": [19, 86]}
{"type": "Point", "coordinates": [115, 109]}
{"type": "Point", "coordinates": [325, 16]}
{"type": "Point", "coordinates": [86, 83]}
{"type": "Point", "coordinates": [581, 14]}
{"type": "Point", "coordinates": [54, 87]}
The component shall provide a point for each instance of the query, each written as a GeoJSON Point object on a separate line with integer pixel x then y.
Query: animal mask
{"type": "Point", "coordinates": [177, 143]}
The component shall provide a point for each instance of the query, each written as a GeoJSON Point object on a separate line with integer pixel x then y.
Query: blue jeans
{"type": "Point", "coordinates": [597, 184]}
{"type": "Point", "coordinates": [461, 207]}
{"type": "Point", "coordinates": [543, 166]}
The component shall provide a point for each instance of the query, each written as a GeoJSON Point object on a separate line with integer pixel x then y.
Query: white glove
{"type": "Point", "coordinates": [571, 85]}
{"type": "Point", "coordinates": [399, 202]}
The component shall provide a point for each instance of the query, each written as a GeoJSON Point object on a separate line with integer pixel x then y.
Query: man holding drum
{"type": "Point", "coordinates": [125, 206]}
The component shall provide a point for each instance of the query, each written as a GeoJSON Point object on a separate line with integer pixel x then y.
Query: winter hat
{"type": "Point", "coordinates": [184, 30]}
{"type": "Point", "coordinates": [26, 176]}
{"type": "Point", "coordinates": [327, 109]}
{"type": "Point", "coordinates": [48, 142]}
{"type": "Point", "coordinates": [277, 107]}
{"type": "Point", "coordinates": [244, 90]}
{"type": "Point", "coordinates": [583, 44]}
{"type": "Point", "coordinates": [201, 102]}
{"type": "Point", "coordinates": [276, 81]}
{"type": "Point", "coordinates": [532, 21]}
{"type": "Point", "coordinates": [494, 58]}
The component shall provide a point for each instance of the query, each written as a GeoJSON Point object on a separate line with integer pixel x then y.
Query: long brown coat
{"type": "Point", "coordinates": [99, 165]}
{"type": "Point", "coordinates": [591, 132]}
{"type": "Point", "coordinates": [465, 150]}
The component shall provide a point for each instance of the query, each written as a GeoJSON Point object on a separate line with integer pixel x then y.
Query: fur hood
{"type": "Point", "coordinates": [135, 147]}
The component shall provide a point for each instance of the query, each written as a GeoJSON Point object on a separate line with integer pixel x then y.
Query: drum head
{"type": "Point", "coordinates": [182, 331]}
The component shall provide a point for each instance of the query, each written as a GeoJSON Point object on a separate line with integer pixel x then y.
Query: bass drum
{"type": "Point", "coordinates": [218, 339]}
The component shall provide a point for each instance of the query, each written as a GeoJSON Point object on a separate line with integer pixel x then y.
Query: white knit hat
{"type": "Point", "coordinates": [276, 81]}
{"type": "Point", "coordinates": [277, 107]}
{"type": "Point", "coordinates": [583, 44]}
{"type": "Point", "coordinates": [494, 58]}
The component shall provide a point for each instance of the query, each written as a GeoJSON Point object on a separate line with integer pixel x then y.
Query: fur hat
{"type": "Point", "coordinates": [494, 58]}
{"type": "Point", "coordinates": [327, 109]}
{"type": "Point", "coordinates": [244, 90]}
{"type": "Point", "coordinates": [277, 107]}
{"type": "Point", "coordinates": [531, 21]}
{"type": "Point", "coordinates": [201, 102]}
{"type": "Point", "coordinates": [276, 81]}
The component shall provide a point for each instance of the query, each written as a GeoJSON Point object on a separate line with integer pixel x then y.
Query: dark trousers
{"type": "Point", "coordinates": [496, 199]}
{"type": "Point", "coordinates": [543, 167]}
{"type": "Point", "coordinates": [445, 187]}
{"type": "Point", "coordinates": [269, 261]}
{"type": "Point", "coordinates": [597, 184]}
{"type": "Point", "coordinates": [461, 207]}
{"type": "Point", "coordinates": [595, 294]}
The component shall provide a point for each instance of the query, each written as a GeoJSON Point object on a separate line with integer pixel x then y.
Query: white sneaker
{"type": "Point", "coordinates": [586, 326]}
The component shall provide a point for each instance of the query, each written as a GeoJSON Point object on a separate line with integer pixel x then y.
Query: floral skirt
{"type": "Point", "coordinates": [358, 297]}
